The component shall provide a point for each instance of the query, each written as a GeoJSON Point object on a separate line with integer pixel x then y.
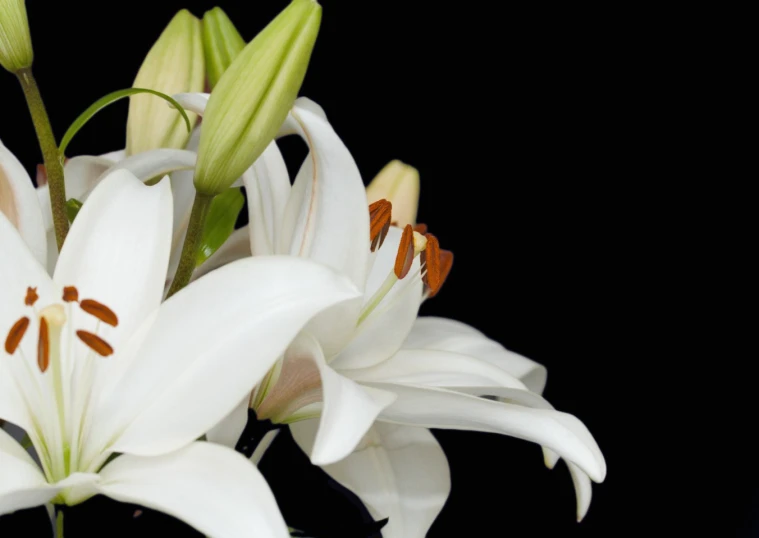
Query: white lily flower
{"type": "Point", "coordinates": [95, 366]}
{"type": "Point", "coordinates": [371, 361]}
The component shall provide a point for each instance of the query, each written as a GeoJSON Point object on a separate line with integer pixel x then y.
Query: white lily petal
{"type": "Point", "coordinates": [180, 164]}
{"type": "Point", "coordinates": [43, 197]}
{"type": "Point", "coordinates": [449, 335]}
{"type": "Point", "coordinates": [183, 191]}
{"type": "Point", "coordinates": [121, 235]}
{"type": "Point", "coordinates": [115, 156]}
{"type": "Point", "coordinates": [155, 163]}
{"type": "Point", "coordinates": [398, 472]}
{"type": "Point", "coordinates": [22, 485]}
{"type": "Point", "coordinates": [235, 248]}
{"type": "Point", "coordinates": [583, 490]}
{"type": "Point", "coordinates": [437, 408]}
{"type": "Point", "coordinates": [326, 218]}
{"type": "Point", "coordinates": [348, 409]}
{"type": "Point", "coordinates": [193, 102]}
{"type": "Point", "coordinates": [267, 185]}
{"type": "Point", "coordinates": [18, 201]}
{"type": "Point", "coordinates": [83, 173]}
{"type": "Point", "coordinates": [383, 332]}
{"type": "Point", "coordinates": [240, 318]}
{"type": "Point", "coordinates": [18, 270]}
{"type": "Point", "coordinates": [212, 488]}
{"type": "Point", "coordinates": [580, 481]}
{"type": "Point", "coordinates": [436, 369]}
{"type": "Point", "coordinates": [228, 431]}
{"type": "Point", "coordinates": [16, 399]}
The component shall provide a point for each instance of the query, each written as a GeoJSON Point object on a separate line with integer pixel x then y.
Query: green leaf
{"type": "Point", "coordinates": [72, 209]}
{"type": "Point", "coordinates": [103, 102]}
{"type": "Point", "coordinates": [220, 223]}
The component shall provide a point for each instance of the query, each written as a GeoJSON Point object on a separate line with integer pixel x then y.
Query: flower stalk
{"type": "Point", "coordinates": [187, 262]}
{"type": "Point", "coordinates": [59, 524]}
{"type": "Point", "coordinates": [53, 164]}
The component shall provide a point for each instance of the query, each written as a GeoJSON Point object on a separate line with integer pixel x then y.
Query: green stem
{"type": "Point", "coordinates": [59, 524]}
{"type": "Point", "coordinates": [49, 147]}
{"type": "Point", "coordinates": [200, 208]}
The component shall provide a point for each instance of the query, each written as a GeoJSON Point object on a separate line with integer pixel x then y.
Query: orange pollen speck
{"type": "Point", "coordinates": [70, 294]}
{"type": "Point", "coordinates": [405, 256]}
{"type": "Point", "coordinates": [43, 346]}
{"type": "Point", "coordinates": [31, 296]}
{"type": "Point", "coordinates": [421, 228]}
{"type": "Point", "coordinates": [16, 334]}
{"type": "Point", "coordinates": [100, 311]}
{"type": "Point", "coordinates": [379, 214]}
{"type": "Point", "coordinates": [95, 343]}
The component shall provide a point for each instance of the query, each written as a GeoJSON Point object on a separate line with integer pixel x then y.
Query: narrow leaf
{"type": "Point", "coordinates": [103, 102]}
{"type": "Point", "coordinates": [220, 223]}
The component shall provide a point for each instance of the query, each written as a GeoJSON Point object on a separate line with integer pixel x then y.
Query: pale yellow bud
{"type": "Point", "coordinates": [399, 184]}
{"type": "Point", "coordinates": [175, 64]}
{"type": "Point", "coordinates": [15, 42]}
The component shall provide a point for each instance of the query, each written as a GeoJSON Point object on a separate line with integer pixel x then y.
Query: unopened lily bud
{"type": "Point", "coordinates": [15, 42]}
{"type": "Point", "coordinates": [221, 44]}
{"type": "Point", "coordinates": [399, 184]}
{"type": "Point", "coordinates": [253, 97]}
{"type": "Point", "coordinates": [174, 65]}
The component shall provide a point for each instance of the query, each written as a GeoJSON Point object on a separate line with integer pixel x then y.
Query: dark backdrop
{"type": "Point", "coordinates": [535, 138]}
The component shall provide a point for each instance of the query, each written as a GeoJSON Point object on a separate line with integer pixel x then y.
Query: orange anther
{"type": "Point", "coordinates": [31, 296]}
{"type": "Point", "coordinates": [16, 334]}
{"type": "Point", "coordinates": [405, 256]}
{"type": "Point", "coordinates": [70, 294]}
{"type": "Point", "coordinates": [95, 343]}
{"type": "Point", "coordinates": [100, 311]}
{"type": "Point", "coordinates": [421, 228]}
{"type": "Point", "coordinates": [446, 262]}
{"type": "Point", "coordinates": [380, 213]}
{"type": "Point", "coordinates": [43, 346]}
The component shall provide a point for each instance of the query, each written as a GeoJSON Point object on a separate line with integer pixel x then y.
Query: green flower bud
{"type": "Point", "coordinates": [253, 97]}
{"type": "Point", "coordinates": [15, 42]}
{"type": "Point", "coordinates": [174, 65]}
{"type": "Point", "coordinates": [221, 43]}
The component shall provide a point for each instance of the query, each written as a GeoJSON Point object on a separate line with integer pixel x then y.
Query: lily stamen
{"type": "Point", "coordinates": [31, 296]}
{"type": "Point", "coordinates": [420, 228]}
{"type": "Point", "coordinates": [70, 294]}
{"type": "Point", "coordinates": [100, 311]}
{"type": "Point", "coordinates": [436, 264]}
{"type": "Point", "coordinates": [43, 346]}
{"type": "Point", "coordinates": [405, 256]}
{"type": "Point", "coordinates": [380, 213]}
{"type": "Point", "coordinates": [95, 343]}
{"type": "Point", "coordinates": [16, 334]}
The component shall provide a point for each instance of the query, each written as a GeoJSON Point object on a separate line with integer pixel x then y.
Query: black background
{"type": "Point", "coordinates": [538, 134]}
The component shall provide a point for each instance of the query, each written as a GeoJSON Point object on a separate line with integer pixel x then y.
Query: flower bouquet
{"type": "Point", "coordinates": [153, 353]}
